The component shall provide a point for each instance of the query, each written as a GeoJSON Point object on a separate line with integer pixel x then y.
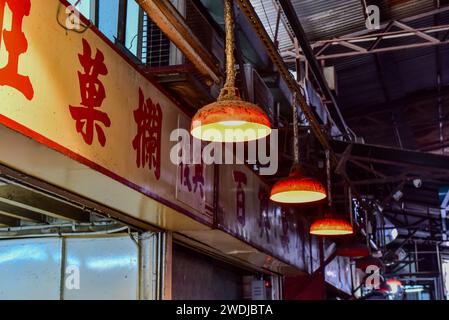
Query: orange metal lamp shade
{"type": "Point", "coordinates": [394, 283]}
{"type": "Point", "coordinates": [297, 189]}
{"type": "Point", "coordinates": [331, 225]}
{"type": "Point", "coordinates": [230, 121]}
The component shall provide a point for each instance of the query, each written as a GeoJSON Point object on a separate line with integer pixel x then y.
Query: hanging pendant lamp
{"type": "Point", "coordinates": [296, 189]}
{"type": "Point", "coordinates": [230, 119]}
{"type": "Point", "coordinates": [330, 224]}
{"type": "Point", "coordinates": [395, 285]}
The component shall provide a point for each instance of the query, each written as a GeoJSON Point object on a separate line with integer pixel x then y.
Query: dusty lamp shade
{"type": "Point", "coordinates": [394, 283]}
{"type": "Point", "coordinates": [230, 119]}
{"type": "Point", "coordinates": [297, 189]}
{"type": "Point", "coordinates": [353, 250]}
{"type": "Point", "coordinates": [331, 225]}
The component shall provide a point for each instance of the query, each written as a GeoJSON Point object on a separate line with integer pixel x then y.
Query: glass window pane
{"type": "Point", "coordinates": [82, 6]}
{"type": "Point", "coordinates": [108, 17]}
{"type": "Point", "coordinates": [132, 26]}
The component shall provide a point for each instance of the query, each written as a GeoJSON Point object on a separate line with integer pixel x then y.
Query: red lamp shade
{"type": "Point", "coordinates": [331, 225]}
{"type": "Point", "coordinates": [230, 121]}
{"type": "Point", "coordinates": [394, 283]}
{"type": "Point", "coordinates": [353, 250]}
{"type": "Point", "coordinates": [297, 189]}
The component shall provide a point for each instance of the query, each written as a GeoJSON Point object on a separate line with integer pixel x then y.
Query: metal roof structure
{"type": "Point", "coordinates": [392, 89]}
{"type": "Point", "coordinates": [373, 72]}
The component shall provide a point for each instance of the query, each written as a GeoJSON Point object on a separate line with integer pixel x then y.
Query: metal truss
{"type": "Point", "coordinates": [368, 43]}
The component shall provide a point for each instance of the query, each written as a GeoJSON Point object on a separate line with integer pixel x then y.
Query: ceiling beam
{"type": "Point", "coordinates": [373, 40]}
{"type": "Point", "coordinates": [404, 20]}
{"type": "Point", "coordinates": [170, 21]}
{"type": "Point", "coordinates": [20, 213]}
{"type": "Point", "coordinates": [354, 53]}
{"type": "Point", "coordinates": [27, 199]}
{"type": "Point", "coordinates": [393, 156]}
{"type": "Point", "coordinates": [9, 221]}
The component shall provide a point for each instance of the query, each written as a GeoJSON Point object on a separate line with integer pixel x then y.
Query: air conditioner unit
{"type": "Point", "coordinates": [157, 49]}
{"type": "Point", "coordinates": [331, 77]}
{"type": "Point", "coordinates": [258, 92]}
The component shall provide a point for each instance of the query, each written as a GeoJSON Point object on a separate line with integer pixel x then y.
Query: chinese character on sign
{"type": "Point", "coordinates": [193, 180]}
{"type": "Point", "coordinates": [241, 180]}
{"type": "Point", "coordinates": [264, 220]}
{"type": "Point", "coordinates": [198, 179]}
{"type": "Point", "coordinates": [15, 44]}
{"type": "Point", "coordinates": [147, 141]}
{"type": "Point", "coordinates": [185, 176]}
{"type": "Point", "coordinates": [88, 118]}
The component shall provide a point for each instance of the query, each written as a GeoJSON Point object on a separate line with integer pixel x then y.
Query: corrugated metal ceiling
{"type": "Point", "coordinates": [369, 82]}
{"type": "Point", "coordinates": [267, 11]}
{"type": "Point", "coordinates": [327, 19]}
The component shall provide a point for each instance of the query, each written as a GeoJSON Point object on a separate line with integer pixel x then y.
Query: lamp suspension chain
{"type": "Point", "coordinates": [328, 174]}
{"type": "Point", "coordinates": [351, 209]}
{"type": "Point", "coordinates": [230, 60]}
{"type": "Point", "coordinates": [230, 119]}
{"type": "Point", "coordinates": [295, 131]}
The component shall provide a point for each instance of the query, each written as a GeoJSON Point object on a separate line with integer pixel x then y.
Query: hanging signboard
{"type": "Point", "coordinates": [81, 97]}
{"type": "Point", "coordinates": [77, 94]}
{"type": "Point", "coordinates": [246, 211]}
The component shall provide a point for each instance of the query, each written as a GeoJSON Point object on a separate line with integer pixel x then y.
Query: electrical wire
{"type": "Point", "coordinates": [268, 20]}
{"type": "Point", "coordinates": [83, 28]}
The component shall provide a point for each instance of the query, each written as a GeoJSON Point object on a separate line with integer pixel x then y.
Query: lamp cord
{"type": "Point", "coordinates": [230, 60]}
{"type": "Point", "coordinates": [229, 91]}
{"type": "Point", "coordinates": [295, 131]}
{"type": "Point", "coordinates": [328, 173]}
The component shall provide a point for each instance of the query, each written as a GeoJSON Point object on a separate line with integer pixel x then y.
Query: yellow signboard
{"type": "Point", "coordinates": [76, 93]}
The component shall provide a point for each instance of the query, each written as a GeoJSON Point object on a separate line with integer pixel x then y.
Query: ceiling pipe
{"type": "Point", "coordinates": [174, 26]}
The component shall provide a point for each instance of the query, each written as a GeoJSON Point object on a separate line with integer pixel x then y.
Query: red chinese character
{"type": "Point", "coordinates": [88, 117]}
{"type": "Point", "coordinates": [264, 220]}
{"type": "Point", "coordinates": [147, 142]}
{"type": "Point", "coordinates": [198, 179]}
{"type": "Point", "coordinates": [241, 180]}
{"type": "Point", "coordinates": [185, 176]}
{"type": "Point", "coordinates": [16, 44]}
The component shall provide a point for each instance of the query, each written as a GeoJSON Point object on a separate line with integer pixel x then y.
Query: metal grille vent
{"type": "Point", "coordinates": [157, 44]}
